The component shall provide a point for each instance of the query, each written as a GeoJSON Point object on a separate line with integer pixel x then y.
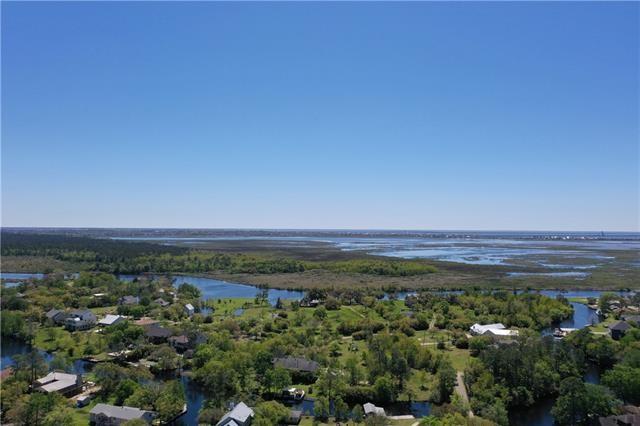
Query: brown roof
{"type": "Point", "coordinates": [145, 321]}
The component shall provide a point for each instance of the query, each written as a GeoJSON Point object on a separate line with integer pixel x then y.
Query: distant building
{"type": "Point", "coordinates": [111, 320]}
{"type": "Point", "coordinates": [80, 320]}
{"type": "Point", "coordinates": [189, 309]}
{"type": "Point", "coordinates": [56, 316]}
{"type": "Point", "coordinates": [157, 334]}
{"type": "Point", "coordinates": [296, 364]}
{"type": "Point", "coordinates": [62, 383]}
{"type": "Point", "coordinates": [372, 410]}
{"type": "Point", "coordinates": [632, 318]}
{"type": "Point", "coordinates": [129, 300]}
{"type": "Point", "coordinates": [112, 415]}
{"type": "Point", "coordinates": [180, 343]}
{"type": "Point", "coordinates": [618, 329]}
{"type": "Point", "coordinates": [241, 415]}
{"type": "Point", "coordinates": [145, 321]}
{"type": "Point", "coordinates": [163, 303]}
{"type": "Point", "coordinates": [479, 329]}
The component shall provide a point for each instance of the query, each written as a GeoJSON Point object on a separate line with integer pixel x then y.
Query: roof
{"type": "Point", "coordinates": [123, 413]}
{"type": "Point", "coordinates": [634, 318]}
{"type": "Point", "coordinates": [56, 381]}
{"type": "Point", "coordinates": [620, 325]}
{"type": "Point", "coordinates": [481, 329]}
{"type": "Point", "coordinates": [300, 364]}
{"type": "Point", "coordinates": [53, 313]}
{"type": "Point", "coordinates": [155, 330]}
{"type": "Point", "coordinates": [129, 300]}
{"type": "Point", "coordinates": [241, 412]}
{"type": "Point", "coordinates": [145, 321]}
{"type": "Point", "coordinates": [369, 408]}
{"type": "Point", "coordinates": [110, 319]}
{"type": "Point", "coordinates": [180, 339]}
{"type": "Point", "coordinates": [82, 313]}
{"type": "Point", "coordinates": [189, 306]}
{"type": "Point", "coordinates": [500, 332]}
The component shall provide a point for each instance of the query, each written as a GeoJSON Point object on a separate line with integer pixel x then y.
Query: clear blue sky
{"type": "Point", "coordinates": [520, 116]}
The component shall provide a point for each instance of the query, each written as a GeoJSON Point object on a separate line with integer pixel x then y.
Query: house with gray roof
{"type": "Point", "coordinates": [241, 415]}
{"type": "Point", "coordinates": [113, 415]}
{"type": "Point", "coordinates": [81, 319]}
{"type": "Point", "coordinates": [129, 300]}
{"type": "Point", "coordinates": [56, 316]}
{"type": "Point", "coordinates": [296, 364]}
{"type": "Point", "coordinates": [58, 382]}
{"type": "Point", "coordinates": [618, 329]}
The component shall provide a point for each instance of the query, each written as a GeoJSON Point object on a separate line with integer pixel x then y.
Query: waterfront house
{"type": "Point", "coordinates": [128, 300]}
{"type": "Point", "coordinates": [113, 415]}
{"type": "Point", "coordinates": [81, 319]}
{"type": "Point", "coordinates": [240, 415]}
{"type": "Point", "coordinates": [62, 383]}
{"type": "Point", "coordinates": [55, 316]}
{"type": "Point", "coordinates": [617, 330]}
{"type": "Point", "coordinates": [110, 319]}
{"type": "Point", "coordinates": [372, 410]}
{"type": "Point", "coordinates": [157, 334]}
{"type": "Point", "coordinates": [189, 309]}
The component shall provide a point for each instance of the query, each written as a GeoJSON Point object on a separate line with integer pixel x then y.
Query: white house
{"type": "Point", "coordinates": [110, 319]}
{"type": "Point", "coordinates": [372, 410]}
{"type": "Point", "coordinates": [58, 382]}
{"type": "Point", "coordinates": [479, 329]}
{"type": "Point", "coordinates": [241, 415]}
{"type": "Point", "coordinates": [189, 309]}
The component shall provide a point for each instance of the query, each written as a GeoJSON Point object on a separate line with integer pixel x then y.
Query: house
{"type": "Point", "coordinates": [618, 329]}
{"type": "Point", "coordinates": [111, 320]}
{"type": "Point", "coordinates": [180, 343]}
{"type": "Point", "coordinates": [629, 416]}
{"type": "Point", "coordinates": [372, 410]}
{"type": "Point", "coordinates": [128, 300]}
{"type": "Point", "coordinates": [145, 321]}
{"type": "Point", "coordinates": [189, 309]}
{"type": "Point", "coordinates": [241, 415]}
{"type": "Point", "coordinates": [82, 319]}
{"type": "Point", "coordinates": [500, 333]}
{"type": "Point", "coordinates": [632, 318]}
{"type": "Point", "coordinates": [62, 383]}
{"type": "Point", "coordinates": [113, 415]}
{"type": "Point", "coordinates": [157, 334]}
{"type": "Point", "coordinates": [479, 330]}
{"type": "Point", "coordinates": [163, 303]}
{"type": "Point", "coordinates": [83, 401]}
{"type": "Point", "coordinates": [296, 364]}
{"type": "Point", "coordinates": [56, 316]}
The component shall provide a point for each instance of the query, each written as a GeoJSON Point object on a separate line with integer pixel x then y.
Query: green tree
{"type": "Point", "coordinates": [270, 413]}
{"type": "Point", "coordinates": [624, 380]}
{"type": "Point", "coordinates": [579, 401]}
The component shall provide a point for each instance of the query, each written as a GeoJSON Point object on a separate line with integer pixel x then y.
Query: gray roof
{"type": "Point", "coordinates": [124, 413]}
{"type": "Point", "coordinates": [299, 364]}
{"type": "Point", "coordinates": [241, 412]}
{"type": "Point", "coordinates": [620, 325]}
{"type": "Point", "coordinates": [155, 330]}
{"type": "Point", "coordinates": [54, 313]}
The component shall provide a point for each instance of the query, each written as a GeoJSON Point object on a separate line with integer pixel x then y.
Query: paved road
{"type": "Point", "coordinates": [462, 390]}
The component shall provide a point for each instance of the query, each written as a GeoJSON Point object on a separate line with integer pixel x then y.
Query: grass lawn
{"type": "Point", "coordinates": [73, 344]}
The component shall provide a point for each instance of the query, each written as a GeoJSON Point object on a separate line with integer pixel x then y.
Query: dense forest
{"type": "Point", "coordinates": [120, 257]}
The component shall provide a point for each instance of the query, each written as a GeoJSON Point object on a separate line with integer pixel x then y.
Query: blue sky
{"type": "Point", "coordinates": [516, 116]}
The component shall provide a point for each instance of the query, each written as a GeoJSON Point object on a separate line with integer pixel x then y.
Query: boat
{"type": "Point", "coordinates": [293, 393]}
